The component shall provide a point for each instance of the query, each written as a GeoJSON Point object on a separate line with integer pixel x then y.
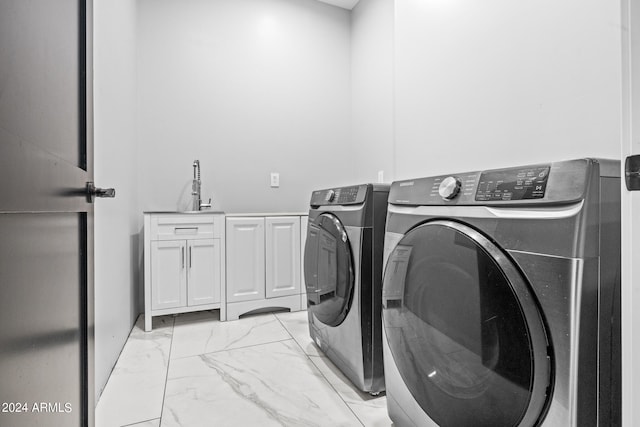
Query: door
{"type": "Point", "coordinates": [464, 329]}
{"type": "Point", "coordinates": [282, 256]}
{"type": "Point", "coordinates": [203, 276]}
{"type": "Point", "coordinates": [245, 259]}
{"type": "Point", "coordinates": [46, 222]}
{"type": "Point", "coordinates": [328, 270]}
{"type": "Point", "coordinates": [168, 274]}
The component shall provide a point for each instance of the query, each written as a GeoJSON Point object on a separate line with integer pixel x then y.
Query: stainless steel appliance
{"type": "Point", "coordinates": [343, 275]}
{"type": "Point", "coordinates": [501, 303]}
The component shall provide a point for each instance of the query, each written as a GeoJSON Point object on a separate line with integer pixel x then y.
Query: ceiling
{"type": "Point", "coordinates": [345, 4]}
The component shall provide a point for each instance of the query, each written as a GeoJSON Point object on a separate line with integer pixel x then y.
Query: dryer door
{"type": "Point", "coordinates": [464, 329]}
{"type": "Point", "coordinates": [328, 270]}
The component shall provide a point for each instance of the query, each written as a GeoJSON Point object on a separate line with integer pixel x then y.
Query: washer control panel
{"type": "Point", "coordinates": [513, 184]}
{"type": "Point", "coordinates": [449, 187]}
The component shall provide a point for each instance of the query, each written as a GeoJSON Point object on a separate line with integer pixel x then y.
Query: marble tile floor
{"type": "Point", "coordinates": [263, 370]}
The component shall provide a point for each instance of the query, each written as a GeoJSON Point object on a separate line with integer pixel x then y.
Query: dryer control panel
{"type": "Point", "coordinates": [339, 196]}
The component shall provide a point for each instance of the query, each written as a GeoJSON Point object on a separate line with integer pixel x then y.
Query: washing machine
{"type": "Point", "coordinates": [501, 297]}
{"type": "Point", "coordinates": [343, 276]}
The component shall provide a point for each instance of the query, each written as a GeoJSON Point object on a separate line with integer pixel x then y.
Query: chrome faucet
{"type": "Point", "coordinates": [196, 188]}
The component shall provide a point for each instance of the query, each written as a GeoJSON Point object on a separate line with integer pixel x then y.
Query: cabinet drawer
{"type": "Point", "coordinates": [189, 226]}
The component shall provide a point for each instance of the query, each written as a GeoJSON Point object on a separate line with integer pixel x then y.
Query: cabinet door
{"type": "Point", "coordinates": [168, 274]}
{"type": "Point", "coordinates": [282, 256]}
{"type": "Point", "coordinates": [203, 272]}
{"type": "Point", "coordinates": [245, 259]}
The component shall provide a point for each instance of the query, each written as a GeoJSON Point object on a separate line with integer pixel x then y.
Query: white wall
{"type": "Point", "coordinates": [372, 89]}
{"type": "Point", "coordinates": [116, 220]}
{"type": "Point", "coordinates": [500, 83]}
{"type": "Point", "coordinates": [248, 87]}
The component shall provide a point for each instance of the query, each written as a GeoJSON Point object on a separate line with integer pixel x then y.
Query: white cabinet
{"type": "Point", "coordinates": [169, 287]}
{"type": "Point", "coordinates": [204, 276]}
{"type": "Point", "coordinates": [184, 264]}
{"type": "Point", "coordinates": [282, 256]}
{"type": "Point", "coordinates": [263, 263]}
{"type": "Point", "coordinates": [245, 259]}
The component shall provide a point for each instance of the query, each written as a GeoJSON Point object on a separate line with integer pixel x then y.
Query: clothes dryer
{"type": "Point", "coordinates": [343, 276]}
{"type": "Point", "coordinates": [501, 297]}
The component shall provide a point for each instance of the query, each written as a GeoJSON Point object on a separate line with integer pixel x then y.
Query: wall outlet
{"type": "Point", "coordinates": [275, 179]}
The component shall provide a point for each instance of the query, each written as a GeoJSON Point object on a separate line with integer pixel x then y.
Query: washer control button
{"type": "Point", "coordinates": [330, 196]}
{"type": "Point", "coordinates": [449, 187]}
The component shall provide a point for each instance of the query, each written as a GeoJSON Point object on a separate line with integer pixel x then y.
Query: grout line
{"type": "Point", "coordinates": [166, 377]}
{"type": "Point", "coordinates": [241, 347]}
{"type": "Point", "coordinates": [285, 328]}
{"type": "Point", "coordinates": [234, 348]}
{"type": "Point", "coordinates": [140, 422]}
{"type": "Point", "coordinates": [126, 341]}
{"type": "Point", "coordinates": [308, 356]}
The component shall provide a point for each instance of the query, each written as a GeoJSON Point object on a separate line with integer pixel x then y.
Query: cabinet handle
{"type": "Point", "coordinates": [182, 257]}
{"type": "Point", "coordinates": [190, 257]}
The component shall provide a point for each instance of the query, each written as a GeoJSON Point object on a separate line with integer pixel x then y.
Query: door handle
{"type": "Point", "coordinates": [632, 172]}
{"type": "Point", "coordinates": [182, 257]}
{"type": "Point", "coordinates": [93, 192]}
{"type": "Point", "coordinates": [190, 257]}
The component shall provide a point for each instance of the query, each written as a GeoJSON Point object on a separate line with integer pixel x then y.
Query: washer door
{"type": "Point", "coordinates": [464, 329]}
{"type": "Point", "coordinates": [328, 270]}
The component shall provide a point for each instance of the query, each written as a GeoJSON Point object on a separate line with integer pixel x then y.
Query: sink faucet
{"type": "Point", "coordinates": [196, 188]}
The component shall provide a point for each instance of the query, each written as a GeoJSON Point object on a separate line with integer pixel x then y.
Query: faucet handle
{"type": "Point", "coordinates": [205, 205]}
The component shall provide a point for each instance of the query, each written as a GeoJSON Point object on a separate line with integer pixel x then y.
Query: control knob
{"type": "Point", "coordinates": [330, 196]}
{"type": "Point", "coordinates": [450, 187]}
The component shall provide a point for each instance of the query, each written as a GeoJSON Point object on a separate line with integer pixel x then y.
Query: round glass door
{"type": "Point", "coordinates": [464, 329]}
{"type": "Point", "coordinates": [328, 270]}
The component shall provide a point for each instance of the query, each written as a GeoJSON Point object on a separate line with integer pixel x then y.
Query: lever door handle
{"type": "Point", "coordinates": [93, 192]}
{"type": "Point", "coordinates": [632, 172]}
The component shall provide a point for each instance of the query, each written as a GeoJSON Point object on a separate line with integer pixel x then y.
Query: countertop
{"type": "Point", "coordinates": [186, 212]}
{"type": "Point", "coordinates": [244, 214]}
{"type": "Point", "coordinates": [266, 213]}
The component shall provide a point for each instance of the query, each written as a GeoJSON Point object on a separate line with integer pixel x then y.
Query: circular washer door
{"type": "Point", "coordinates": [328, 270]}
{"type": "Point", "coordinates": [464, 329]}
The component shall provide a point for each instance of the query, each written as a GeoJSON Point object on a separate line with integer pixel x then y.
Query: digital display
{"type": "Point", "coordinates": [347, 194]}
{"type": "Point", "coordinates": [513, 184]}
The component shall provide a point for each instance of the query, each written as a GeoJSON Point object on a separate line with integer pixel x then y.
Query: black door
{"type": "Point", "coordinates": [328, 270]}
{"type": "Point", "coordinates": [46, 222]}
{"type": "Point", "coordinates": [464, 329]}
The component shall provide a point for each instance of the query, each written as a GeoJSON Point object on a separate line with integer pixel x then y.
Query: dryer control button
{"type": "Point", "coordinates": [449, 187]}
